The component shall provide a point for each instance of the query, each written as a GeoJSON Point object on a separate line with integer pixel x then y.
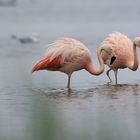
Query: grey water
{"type": "Point", "coordinates": [38, 106]}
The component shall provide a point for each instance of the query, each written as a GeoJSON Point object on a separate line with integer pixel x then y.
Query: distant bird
{"type": "Point", "coordinates": [122, 53]}
{"type": "Point", "coordinates": [34, 38]}
{"type": "Point", "coordinates": [68, 55]}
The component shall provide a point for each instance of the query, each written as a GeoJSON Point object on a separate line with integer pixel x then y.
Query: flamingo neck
{"type": "Point", "coordinates": [96, 71]}
{"type": "Point", "coordinates": [134, 64]}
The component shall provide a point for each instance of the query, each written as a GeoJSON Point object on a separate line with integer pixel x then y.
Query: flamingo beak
{"type": "Point", "coordinates": [113, 58]}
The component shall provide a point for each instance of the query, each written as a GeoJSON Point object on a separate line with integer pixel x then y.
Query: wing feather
{"type": "Point", "coordinates": [117, 41]}
{"type": "Point", "coordinates": [67, 48]}
{"type": "Point", "coordinates": [61, 51]}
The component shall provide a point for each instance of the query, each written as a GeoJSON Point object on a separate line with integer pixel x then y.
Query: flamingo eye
{"type": "Point", "coordinates": [113, 58]}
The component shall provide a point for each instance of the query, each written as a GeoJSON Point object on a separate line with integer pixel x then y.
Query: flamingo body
{"type": "Point", "coordinates": [68, 55]}
{"type": "Point", "coordinates": [124, 51]}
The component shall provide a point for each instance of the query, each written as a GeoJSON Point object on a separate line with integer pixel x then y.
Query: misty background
{"type": "Point", "coordinates": [94, 16]}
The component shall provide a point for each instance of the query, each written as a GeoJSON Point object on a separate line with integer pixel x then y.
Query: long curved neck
{"type": "Point", "coordinates": [96, 71]}
{"type": "Point", "coordinates": [134, 64]}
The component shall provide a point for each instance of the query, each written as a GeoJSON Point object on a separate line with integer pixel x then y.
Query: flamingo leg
{"type": "Point", "coordinates": [116, 72]}
{"type": "Point", "coordinates": [107, 73]}
{"type": "Point", "coordinates": [69, 78]}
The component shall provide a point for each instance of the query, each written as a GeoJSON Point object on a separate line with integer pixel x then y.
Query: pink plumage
{"type": "Point", "coordinates": [68, 55]}
{"type": "Point", "coordinates": [121, 54]}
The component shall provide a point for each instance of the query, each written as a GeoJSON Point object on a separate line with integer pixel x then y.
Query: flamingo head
{"type": "Point", "coordinates": [137, 41]}
{"type": "Point", "coordinates": [107, 49]}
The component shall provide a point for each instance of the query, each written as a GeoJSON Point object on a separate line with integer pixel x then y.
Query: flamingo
{"type": "Point", "coordinates": [68, 55]}
{"type": "Point", "coordinates": [123, 53]}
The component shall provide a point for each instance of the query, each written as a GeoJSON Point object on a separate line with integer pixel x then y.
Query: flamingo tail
{"type": "Point", "coordinates": [47, 64]}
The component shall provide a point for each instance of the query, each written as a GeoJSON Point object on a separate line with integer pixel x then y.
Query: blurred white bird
{"type": "Point", "coordinates": [34, 38]}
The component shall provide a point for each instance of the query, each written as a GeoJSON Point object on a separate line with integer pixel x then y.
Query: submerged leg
{"type": "Point", "coordinates": [116, 72]}
{"type": "Point", "coordinates": [68, 84]}
{"type": "Point", "coordinates": [107, 73]}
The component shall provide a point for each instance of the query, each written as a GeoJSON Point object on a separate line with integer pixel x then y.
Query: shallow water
{"type": "Point", "coordinates": [38, 106]}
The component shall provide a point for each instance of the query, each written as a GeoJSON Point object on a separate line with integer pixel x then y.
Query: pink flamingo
{"type": "Point", "coordinates": [122, 53]}
{"type": "Point", "coordinates": [68, 55]}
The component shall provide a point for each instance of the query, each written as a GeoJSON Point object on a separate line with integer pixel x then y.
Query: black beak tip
{"type": "Point", "coordinates": [113, 58]}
